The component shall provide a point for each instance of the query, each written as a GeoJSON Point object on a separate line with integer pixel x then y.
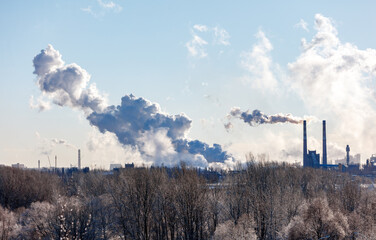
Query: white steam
{"type": "Point", "coordinates": [338, 80]}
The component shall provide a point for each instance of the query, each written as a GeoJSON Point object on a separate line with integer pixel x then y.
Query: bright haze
{"type": "Point", "coordinates": [159, 83]}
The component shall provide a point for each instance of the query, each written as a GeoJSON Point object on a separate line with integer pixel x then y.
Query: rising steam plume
{"type": "Point", "coordinates": [256, 117]}
{"type": "Point", "coordinates": [136, 122]}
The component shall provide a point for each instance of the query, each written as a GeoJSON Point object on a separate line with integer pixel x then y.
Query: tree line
{"type": "Point", "coordinates": [257, 201]}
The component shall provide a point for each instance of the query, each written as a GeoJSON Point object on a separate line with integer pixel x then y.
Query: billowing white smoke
{"type": "Point", "coordinates": [338, 80]}
{"type": "Point", "coordinates": [66, 85]}
{"type": "Point", "coordinates": [256, 117]}
{"type": "Point", "coordinates": [136, 122]}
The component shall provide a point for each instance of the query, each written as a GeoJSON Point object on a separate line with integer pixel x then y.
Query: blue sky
{"type": "Point", "coordinates": [250, 56]}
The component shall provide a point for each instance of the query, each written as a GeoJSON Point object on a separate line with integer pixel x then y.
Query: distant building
{"type": "Point", "coordinates": [115, 165]}
{"type": "Point", "coordinates": [313, 159]}
{"type": "Point", "coordinates": [353, 160]}
{"type": "Point", "coordinates": [131, 165]}
{"type": "Point", "coordinates": [18, 165]}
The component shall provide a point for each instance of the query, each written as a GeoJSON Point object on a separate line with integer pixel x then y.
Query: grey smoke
{"type": "Point", "coordinates": [131, 121]}
{"type": "Point", "coordinates": [256, 117]}
{"type": "Point", "coordinates": [228, 126]}
{"type": "Point", "coordinates": [135, 116]}
{"type": "Point", "coordinates": [211, 154]}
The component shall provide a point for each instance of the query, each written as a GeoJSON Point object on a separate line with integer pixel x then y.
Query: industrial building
{"type": "Point", "coordinates": [312, 158]}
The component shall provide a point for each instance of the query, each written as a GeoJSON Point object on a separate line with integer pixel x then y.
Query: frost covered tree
{"type": "Point", "coordinates": [243, 230]}
{"type": "Point", "coordinates": [9, 227]}
{"type": "Point", "coordinates": [316, 220]}
{"type": "Point", "coordinates": [38, 221]}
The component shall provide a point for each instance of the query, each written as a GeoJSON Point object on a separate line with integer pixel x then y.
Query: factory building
{"type": "Point", "coordinates": [312, 158]}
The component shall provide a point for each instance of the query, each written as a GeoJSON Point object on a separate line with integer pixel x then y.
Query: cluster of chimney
{"type": "Point", "coordinates": [79, 161]}
{"type": "Point", "coordinates": [310, 158]}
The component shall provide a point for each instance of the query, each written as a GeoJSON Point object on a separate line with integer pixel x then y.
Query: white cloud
{"type": "Point", "coordinates": [200, 28]}
{"type": "Point", "coordinates": [303, 25]}
{"type": "Point", "coordinates": [221, 36]}
{"type": "Point", "coordinates": [197, 46]}
{"type": "Point", "coordinates": [110, 5]}
{"type": "Point", "coordinates": [259, 64]}
{"type": "Point", "coordinates": [89, 10]}
{"type": "Point", "coordinates": [102, 8]}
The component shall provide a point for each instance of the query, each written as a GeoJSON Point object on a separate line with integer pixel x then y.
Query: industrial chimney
{"type": "Point", "coordinates": [347, 155]}
{"type": "Point", "coordinates": [38, 164]}
{"type": "Point", "coordinates": [79, 159]}
{"type": "Point", "coordinates": [55, 162]}
{"type": "Point", "coordinates": [324, 157]}
{"type": "Point", "coordinates": [305, 143]}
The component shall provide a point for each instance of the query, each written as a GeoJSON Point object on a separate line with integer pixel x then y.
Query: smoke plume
{"type": "Point", "coordinates": [256, 117]}
{"type": "Point", "coordinates": [136, 116]}
{"type": "Point", "coordinates": [65, 84]}
{"type": "Point", "coordinates": [337, 79]}
{"type": "Point", "coordinates": [136, 122]}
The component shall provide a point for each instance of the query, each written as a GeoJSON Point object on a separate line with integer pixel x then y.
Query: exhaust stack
{"type": "Point", "coordinates": [324, 157]}
{"type": "Point", "coordinates": [347, 155]}
{"type": "Point", "coordinates": [305, 143]}
{"type": "Point", "coordinates": [79, 159]}
{"type": "Point", "coordinates": [55, 170]}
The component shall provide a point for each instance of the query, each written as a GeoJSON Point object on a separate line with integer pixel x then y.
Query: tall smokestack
{"type": "Point", "coordinates": [324, 157]}
{"type": "Point", "coordinates": [304, 143]}
{"type": "Point", "coordinates": [79, 159]}
{"type": "Point", "coordinates": [347, 155]}
{"type": "Point", "coordinates": [55, 162]}
{"type": "Point", "coordinates": [38, 164]}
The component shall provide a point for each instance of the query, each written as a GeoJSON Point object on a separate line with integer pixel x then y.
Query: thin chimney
{"type": "Point", "coordinates": [324, 155]}
{"type": "Point", "coordinates": [347, 155]}
{"type": "Point", "coordinates": [304, 143]}
{"type": "Point", "coordinates": [79, 159]}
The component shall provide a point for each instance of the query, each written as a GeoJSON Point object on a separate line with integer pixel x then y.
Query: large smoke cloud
{"type": "Point", "coordinates": [135, 116]}
{"type": "Point", "coordinates": [136, 122]}
{"type": "Point", "coordinates": [337, 80]}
